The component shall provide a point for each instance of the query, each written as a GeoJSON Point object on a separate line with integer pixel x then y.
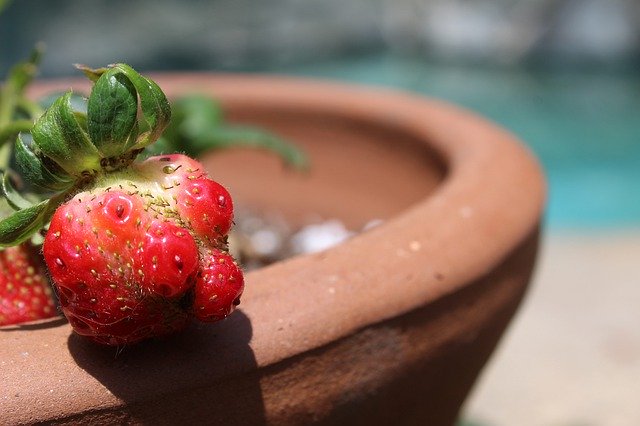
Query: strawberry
{"type": "Point", "coordinates": [125, 260]}
{"type": "Point", "coordinates": [25, 294]}
{"type": "Point", "coordinates": [134, 249]}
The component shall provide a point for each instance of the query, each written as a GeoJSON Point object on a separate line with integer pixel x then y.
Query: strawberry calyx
{"type": "Point", "coordinates": [69, 148]}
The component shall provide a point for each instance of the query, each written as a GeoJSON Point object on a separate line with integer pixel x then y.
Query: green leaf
{"type": "Point", "coordinates": [198, 126]}
{"type": "Point", "coordinates": [194, 113]}
{"type": "Point", "coordinates": [60, 136]}
{"type": "Point", "coordinates": [191, 117]}
{"type": "Point", "coordinates": [112, 112]}
{"type": "Point", "coordinates": [13, 197]}
{"type": "Point", "coordinates": [19, 227]}
{"type": "Point", "coordinates": [35, 171]}
{"type": "Point", "coordinates": [235, 136]}
{"type": "Point", "coordinates": [153, 103]}
{"type": "Point", "coordinates": [227, 136]}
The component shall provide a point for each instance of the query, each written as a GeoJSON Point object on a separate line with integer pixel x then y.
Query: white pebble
{"type": "Point", "coordinates": [318, 237]}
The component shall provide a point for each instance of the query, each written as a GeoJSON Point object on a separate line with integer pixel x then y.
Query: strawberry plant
{"type": "Point", "coordinates": [134, 248]}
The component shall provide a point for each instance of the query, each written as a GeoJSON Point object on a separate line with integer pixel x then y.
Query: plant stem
{"type": "Point", "coordinates": [7, 106]}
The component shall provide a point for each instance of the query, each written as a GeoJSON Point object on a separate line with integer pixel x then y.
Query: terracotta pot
{"type": "Point", "coordinates": [391, 327]}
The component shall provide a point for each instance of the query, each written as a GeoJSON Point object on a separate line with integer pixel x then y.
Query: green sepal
{"type": "Point", "coordinates": [82, 120]}
{"type": "Point", "coordinates": [21, 225]}
{"type": "Point", "coordinates": [60, 136]}
{"type": "Point", "coordinates": [92, 74]}
{"type": "Point", "coordinates": [78, 101]}
{"type": "Point", "coordinates": [155, 107]}
{"type": "Point", "coordinates": [11, 194]}
{"type": "Point", "coordinates": [36, 171]}
{"type": "Point", "coordinates": [112, 112]}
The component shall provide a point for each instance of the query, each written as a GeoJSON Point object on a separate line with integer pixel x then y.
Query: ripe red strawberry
{"type": "Point", "coordinates": [25, 294]}
{"type": "Point", "coordinates": [131, 245]}
{"type": "Point", "coordinates": [127, 260]}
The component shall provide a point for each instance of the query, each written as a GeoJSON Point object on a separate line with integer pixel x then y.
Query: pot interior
{"type": "Point", "coordinates": [361, 169]}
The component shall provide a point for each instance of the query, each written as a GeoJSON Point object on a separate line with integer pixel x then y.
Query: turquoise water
{"type": "Point", "coordinates": [585, 128]}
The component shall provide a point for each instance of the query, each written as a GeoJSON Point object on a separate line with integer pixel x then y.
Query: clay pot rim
{"type": "Point", "coordinates": [430, 242]}
{"type": "Point", "coordinates": [480, 195]}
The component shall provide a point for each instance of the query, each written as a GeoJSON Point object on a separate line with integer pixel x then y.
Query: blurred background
{"type": "Point", "coordinates": [563, 75]}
